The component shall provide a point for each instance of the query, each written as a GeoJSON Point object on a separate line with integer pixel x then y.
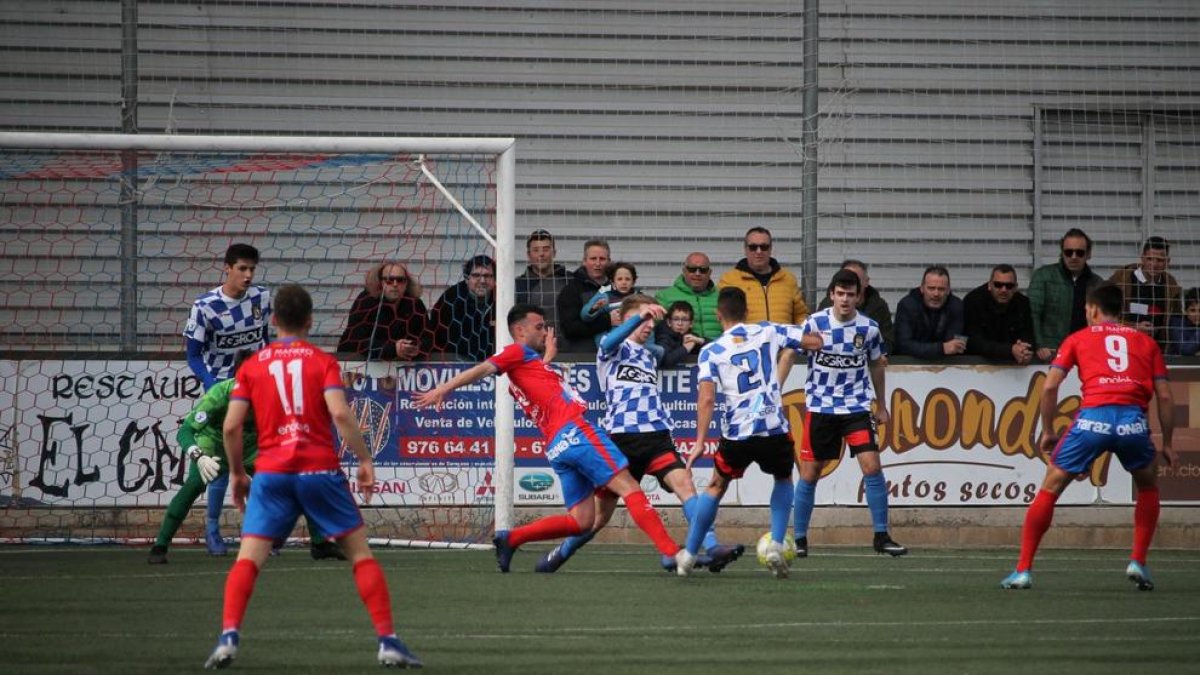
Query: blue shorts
{"type": "Point", "coordinates": [584, 458]}
{"type": "Point", "coordinates": [1123, 429]}
{"type": "Point", "coordinates": [277, 499]}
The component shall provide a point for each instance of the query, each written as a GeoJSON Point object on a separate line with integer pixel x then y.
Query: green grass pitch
{"type": "Point", "coordinates": [104, 610]}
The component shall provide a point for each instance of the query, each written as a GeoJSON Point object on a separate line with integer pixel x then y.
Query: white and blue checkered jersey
{"type": "Point", "coordinates": [741, 363]}
{"type": "Point", "coordinates": [839, 378]}
{"type": "Point", "coordinates": [228, 325]}
{"type": "Point", "coordinates": [630, 381]}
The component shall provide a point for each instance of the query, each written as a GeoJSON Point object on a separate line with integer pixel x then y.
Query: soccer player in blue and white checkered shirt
{"type": "Point", "coordinates": [845, 376]}
{"type": "Point", "coordinates": [741, 364]}
{"type": "Point", "coordinates": [224, 321]}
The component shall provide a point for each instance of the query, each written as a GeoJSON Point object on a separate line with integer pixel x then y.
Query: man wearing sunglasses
{"type": "Point", "coordinates": [772, 293]}
{"type": "Point", "coordinates": [1057, 293]}
{"type": "Point", "coordinates": [695, 287]}
{"type": "Point", "coordinates": [999, 323]}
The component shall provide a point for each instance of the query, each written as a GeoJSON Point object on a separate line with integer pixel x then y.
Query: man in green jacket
{"type": "Point", "coordinates": [695, 287]}
{"type": "Point", "coordinates": [201, 437]}
{"type": "Point", "coordinates": [1057, 292]}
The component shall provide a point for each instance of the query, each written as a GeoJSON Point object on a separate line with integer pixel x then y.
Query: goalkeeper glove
{"type": "Point", "coordinates": [209, 467]}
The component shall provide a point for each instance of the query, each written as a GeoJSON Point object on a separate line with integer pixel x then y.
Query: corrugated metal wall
{"type": "Point", "coordinates": [671, 126]}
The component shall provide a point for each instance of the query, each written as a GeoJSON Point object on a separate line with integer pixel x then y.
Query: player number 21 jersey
{"type": "Point", "coordinates": [742, 365]}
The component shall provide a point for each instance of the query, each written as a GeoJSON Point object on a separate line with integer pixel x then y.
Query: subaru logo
{"type": "Point", "coordinates": [536, 482]}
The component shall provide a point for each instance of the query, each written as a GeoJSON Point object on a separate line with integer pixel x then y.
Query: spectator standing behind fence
{"type": "Point", "coordinates": [224, 321]}
{"type": "Point", "coordinates": [1151, 293]}
{"type": "Point", "coordinates": [675, 336]}
{"type": "Point", "coordinates": [391, 325]}
{"type": "Point", "coordinates": [695, 286]}
{"type": "Point", "coordinates": [1057, 293]}
{"type": "Point", "coordinates": [578, 335]}
{"type": "Point", "coordinates": [999, 323]}
{"type": "Point", "coordinates": [870, 303]}
{"type": "Point", "coordinates": [929, 320]}
{"type": "Point", "coordinates": [543, 279]}
{"type": "Point", "coordinates": [1183, 330]}
{"type": "Point", "coordinates": [465, 316]}
{"type": "Point", "coordinates": [772, 293]}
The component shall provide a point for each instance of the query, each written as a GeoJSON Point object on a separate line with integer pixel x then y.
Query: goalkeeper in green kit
{"type": "Point", "coordinates": [201, 437]}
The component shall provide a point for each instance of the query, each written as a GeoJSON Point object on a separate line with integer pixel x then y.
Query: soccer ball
{"type": "Point", "coordinates": [789, 549]}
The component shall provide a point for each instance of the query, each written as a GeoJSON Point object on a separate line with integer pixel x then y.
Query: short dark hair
{"type": "Point", "coordinates": [1107, 297]}
{"type": "Point", "coordinates": [539, 235]}
{"type": "Point", "coordinates": [1003, 268]}
{"type": "Point", "coordinates": [731, 303]}
{"type": "Point", "coordinates": [681, 306]}
{"type": "Point", "coordinates": [937, 271]}
{"type": "Point", "coordinates": [478, 261]}
{"type": "Point", "coordinates": [238, 252]}
{"type": "Point", "coordinates": [292, 306]}
{"type": "Point", "coordinates": [521, 310]}
{"type": "Point", "coordinates": [1156, 244]}
{"type": "Point", "coordinates": [854, 262]}
{"type": "Point", "coordinates": [1075, 232]}
{"type": "Point", "coordinates": [1191, 297]}
{"type": "Point", "coordinates": [845, 278]}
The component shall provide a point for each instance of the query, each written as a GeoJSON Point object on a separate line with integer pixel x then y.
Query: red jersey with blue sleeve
{"type": "Point", "coordinates": [538, 389]}
{"type": "Point", "coordinates": [1117, 364]}
{"type": "Point", "coordinates": [285, 383]}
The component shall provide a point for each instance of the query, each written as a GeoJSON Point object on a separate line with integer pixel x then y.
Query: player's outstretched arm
{"type": "Point", "coordinates": [1166, 418]}
{"type": "Point", "coordinates": [706, 401]}
{"type": "Point", "coordinates": [434, 397]}
{"type": "Point", "coordinates": [347, 426]}
{"type": "Point", "coordinates": [235, 419]}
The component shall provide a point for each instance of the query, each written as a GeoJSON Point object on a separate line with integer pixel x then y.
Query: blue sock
{"type": "Point", "coordinates": [781, 508]}
{"type": "Point", "coordinates": [706, 515]}
{"type": "Point", "coordinates": [689, 512]}
{"type": "Point", "coordinates": [216, 501]}
{"type": "Point", "coordinates": [573, 544]}
{"type": "Point", "coordinates": [806, 494]}
{"type": "Point", "coordinates": [877, 500]}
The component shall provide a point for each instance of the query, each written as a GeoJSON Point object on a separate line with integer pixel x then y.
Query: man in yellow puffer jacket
{"type": "Point", "coordinates": [772, 293]}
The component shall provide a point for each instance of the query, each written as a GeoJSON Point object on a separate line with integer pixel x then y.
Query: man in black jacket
{"type": "Point", "coordinates": [999, 321]}
{"type": "Point", "coordinates": [543, 279]}
{"type": "Point", "coordinates": [465, 316]}
{"type": "Point", "coordinates": [929, 320]}
{"type": "Point", "coordinates": [576, 334]}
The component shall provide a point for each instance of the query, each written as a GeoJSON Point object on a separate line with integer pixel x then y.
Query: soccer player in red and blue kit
{"type": "Point", "coordinates": [1121, 369]}
{"type": "Point", "coordinates": [584, 457]}
{"type": "Point", "coordinates": [296, 392]}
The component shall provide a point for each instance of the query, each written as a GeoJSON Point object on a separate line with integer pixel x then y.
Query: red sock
{"type": "Point", "coordinates": [1037, 521]}
{"type": "Point", "coordinates": [239, 586]}
{"type": "Point", "coordinates": [550, 527]}
{"type": "Point", "coordinates": [1145, 521]}
{"type": "Point", "coordinates": [373, 589]}
{"type": "Point", "coordinates": [647, 519]}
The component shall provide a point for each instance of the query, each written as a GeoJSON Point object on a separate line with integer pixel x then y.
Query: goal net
{"type": "Point", "coordinates": [108, 239]}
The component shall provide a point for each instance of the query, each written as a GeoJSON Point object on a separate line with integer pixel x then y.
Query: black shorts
{"type": "Point", "coordinates": [773, 454]}
{"type": "Point", "coordinates": [824, 432]}
{"type": "Point", "coordinates": [651, 452]}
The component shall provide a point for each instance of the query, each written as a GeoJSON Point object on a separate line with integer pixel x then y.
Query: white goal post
{"type": "Point", "coordinates": [127, 149]}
